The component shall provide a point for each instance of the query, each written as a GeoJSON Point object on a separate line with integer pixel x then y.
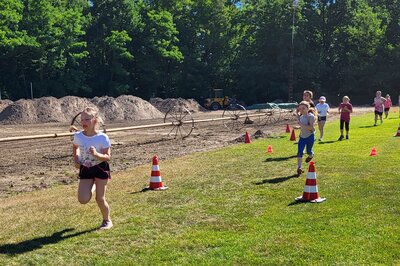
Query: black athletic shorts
{"type": "Point", "coordinates": [321, 118]}
{"type": "Point", "coordinates": [378, 113]}
{"type": "Point", "coordinates": [387, 109]}
{"type": "Point", "coordinates": [101, 170]}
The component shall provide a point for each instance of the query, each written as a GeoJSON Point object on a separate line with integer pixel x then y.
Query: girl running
{"type": "Point", "coordinates": [92, 151]}
{"type": "Point", "coordinates": [306, 140]}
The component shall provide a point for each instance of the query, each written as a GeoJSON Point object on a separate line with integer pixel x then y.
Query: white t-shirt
{"type": "Point", "coordinates": [322, 109]}
{"type": "Point", "coordinates": [99, 141]}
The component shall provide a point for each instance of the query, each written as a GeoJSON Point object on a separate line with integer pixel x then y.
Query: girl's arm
{"type": "Point", "coordinates": [103, 155]}
{"type": "Point", "coordinates": [75, 152]}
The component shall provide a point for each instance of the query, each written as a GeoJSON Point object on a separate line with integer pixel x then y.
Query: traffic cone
{"type": "Point", "coordinates": [398, 132]}
{"type": "Point", "coordinates": [373, 152]}
{"type": "Point", "coordinates": [247, 138]}
{"type": "Point", "coordinates": [293, 136]}
{"type": "Point", "coordinates": [270, 149]}
{"type": "Point", "coordinates": [287, 128]}
{"type": "Point", "coordinates": [155, 179]}
{"type": "Point", "coordinates": [310, 193]}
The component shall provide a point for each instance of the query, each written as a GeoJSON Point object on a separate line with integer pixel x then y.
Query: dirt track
{"type": "Point", "coordinates": [38, 164]}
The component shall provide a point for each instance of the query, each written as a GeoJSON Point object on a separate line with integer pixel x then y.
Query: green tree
{"type": "Point", "coordinates": [110, 38]}
{"type": "Point", "coordinates": [14, 42]}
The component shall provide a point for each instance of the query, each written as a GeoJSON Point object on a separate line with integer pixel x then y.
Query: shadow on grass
{"type": "Point", "coordinates": [296, 202]}
{"type": "Point", "coordinates": [327, 142]}
{"type": "Point", "coordinates": [148, 189]}
{"type": "Point", "coordinates": [279, 159]}
{"type": "Point", "coordinates": [39, 242]}
{"type": "Point", "coordinates": [276, 180]}
{"type": "Point", "coordinates": [367, 126]}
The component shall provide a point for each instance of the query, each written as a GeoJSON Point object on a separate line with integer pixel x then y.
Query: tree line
{"type": "Point", "coordinates": [187, 48]}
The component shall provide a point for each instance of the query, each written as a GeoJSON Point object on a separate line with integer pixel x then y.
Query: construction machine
{"type": "Point", "coordinates": [218, 101]}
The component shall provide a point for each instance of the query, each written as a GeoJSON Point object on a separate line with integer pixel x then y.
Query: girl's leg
{"type": "Point", "coordinates": [85, 190]}
{"type": "Point", "coordinates": [321, 129]}
{"type": "Point", "coordinates": [299, 162]}
{"type": "Point", "coordinates": [341, 129]}
{"type": "Point", "coordinates": [347, 124]}
{"type": "Point", "coordinates": [381, 117]}
{"type": "Point", "coordinates": [309, 147]}
{"type": "Point", "coordinates": [386, 113]}
{"type": "Point", "coordinates": [101, 187]}
{"type": "Point", "coordinates": [321, 126]}
{"type": "Point", "coordinates": [300, 148]}
{"type": "Point", "coordinates": [376, 119]}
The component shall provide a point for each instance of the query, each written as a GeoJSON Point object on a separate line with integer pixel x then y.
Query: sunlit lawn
{"type": "Point", "coordinates": [231, 206]}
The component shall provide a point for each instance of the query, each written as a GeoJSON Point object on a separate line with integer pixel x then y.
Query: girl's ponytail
{"type": "Point", "coordinates": [313, 111]}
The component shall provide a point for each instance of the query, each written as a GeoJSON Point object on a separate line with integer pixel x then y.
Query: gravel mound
{"type": "Point", "coordinates": [50, 109]}
{"type": "Point", "coordinates": [164, 105]}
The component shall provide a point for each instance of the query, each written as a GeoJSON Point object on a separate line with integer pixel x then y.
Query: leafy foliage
{"type": "Point", "coordinates": [187, 48]}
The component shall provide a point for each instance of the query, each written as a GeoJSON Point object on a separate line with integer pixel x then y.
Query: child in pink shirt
{"type": "Point", "coordinates": [379, 102]}
{"type": "Point", "coordinates": [387, 105]}
{"type": "Point", "coordinates": [345, 108]}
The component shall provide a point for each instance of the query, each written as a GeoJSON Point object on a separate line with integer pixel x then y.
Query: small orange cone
{"type": "Point", "coordinates": [287, 128]}
{"type": "Point", "coordinates": [155, 179]}
{"type": "Point", "coordinates": [373, 152]}
{"type": "Point", "coordinates": [247, 138]}
{"type": "Point", "coordinates": [270, 149]}
{"type": "Point", "coordinates": [293, 136]}
{"type": "Point", "coordinates": [398, 132]}
{"type": "Point", "coordinates": [310, 193]}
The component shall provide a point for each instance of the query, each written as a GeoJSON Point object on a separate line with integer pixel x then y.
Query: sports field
{"type": "Point", "coordinates": [232, 206]}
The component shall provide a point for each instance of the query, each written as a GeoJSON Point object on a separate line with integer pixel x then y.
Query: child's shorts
{"type": "Point", "coordinates": [387, 109]}
{"type": "Point", "coordinates": [378, 113]}
{"type": "Point", "coordinates": [321, 118]}
{"type": "Point", "coordinates": [101, 170]}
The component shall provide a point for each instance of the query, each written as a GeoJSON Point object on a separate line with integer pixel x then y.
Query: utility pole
{"type": "Point", "coordinates": [31, 91]}
{"type": "Point", "coordinates": [291, 71]}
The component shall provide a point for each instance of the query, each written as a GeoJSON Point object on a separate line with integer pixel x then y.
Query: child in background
{"type": "Point", "coordinates": [323, 109]}
{"type": "Point", "coordinates": [307, 96]}
{"type": "Point", "coordinates": [345, 109]}
{"type": "Point", "coordinates": [306, 140]}
{"type": "Point", "coordinates": [387, 105]}
{"type": "Point", "coordinates": [92, 151]}
{"type": "Point", "coordinates": [379, 102]}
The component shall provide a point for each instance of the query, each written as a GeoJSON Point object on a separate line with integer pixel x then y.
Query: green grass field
{"type": "Point", "coordinates": [233, 206]}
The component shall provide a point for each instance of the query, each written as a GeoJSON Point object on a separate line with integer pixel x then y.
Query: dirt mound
{"type": "Point", "coordinates": [125, 107]}
{"type": "Point", "coordinates": [50, 109]}
{"type": "Point", "coordinates": [4, 104]}
{"type": "Point", "coordinates": [71, 105]}
{"type": "Point", "coordinates": [164, 105]}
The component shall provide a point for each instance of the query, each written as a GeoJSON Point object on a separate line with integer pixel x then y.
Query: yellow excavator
{"type": "Point", "coordinates": [219, 101]}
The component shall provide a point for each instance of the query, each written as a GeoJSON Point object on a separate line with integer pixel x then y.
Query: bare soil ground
{"type": "Point", "coordinates": [39, 164]}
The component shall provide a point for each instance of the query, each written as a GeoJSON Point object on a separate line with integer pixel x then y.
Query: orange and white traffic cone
{"type": "Point", "coordinates": [269, 149]}
{"type": "Point", "coordinates": [398, 132]}
{"type": "Point", "coordinates": [155, 179]}
{"type": "Point", "coordinates": [247, 138]}
{"type": "Point", "coordinates": [287, 128]}
{"type": "Point", "coordinates": [373, 152]}
{"type": "Point", "coordinates": [310, 193]}
{"type": "Point", "coordinates": [293, 136]}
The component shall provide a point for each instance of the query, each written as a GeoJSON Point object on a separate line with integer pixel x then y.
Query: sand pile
{"type": "Point", "coordinates": [164, 105]}
{"type": "Point", "coordinates": [50, 109]}
{"type": "Point", "coordinates": [125, 107]}
{"type": "Point", "coordinates": [4, 104]}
